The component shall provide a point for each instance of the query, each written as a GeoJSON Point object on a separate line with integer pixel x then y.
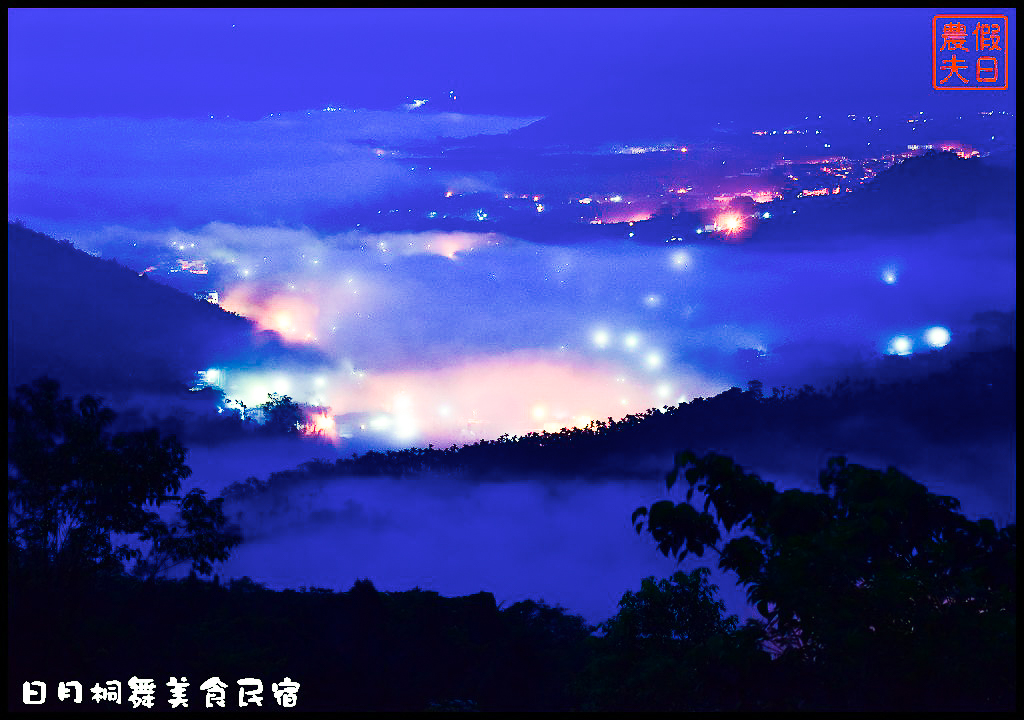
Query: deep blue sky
{"type": "Point", "coordinates": [673, 63]}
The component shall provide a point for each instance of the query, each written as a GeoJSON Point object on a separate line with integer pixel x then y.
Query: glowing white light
{"type": "Point", "coordinates": [654, 361]}
{"type": "Point", "coordinates": [405, 429]}
{"type": "Point", "coordinates": [283, 321]}
{"type": "Point", "coordinates": [539, 412]}
{"type": "Point", "coordinates": [680, 259]}
{"type": "Point", "coordinates": [381, 422]}
{"type": "Point", "coordinates": [937, 336]}
{"type": "Point", "coordinates": [652, 301]}
{"type": "Point", "coordinates": [901, 345]}
{"type": "Point", "coordinates": [631, 341]}
{"type": "Point", "coordinates": [601, 338]}
{"type": "Point", "coordinates": [402, 403]}
{"type": "Point", "coordinates": [889, 276]}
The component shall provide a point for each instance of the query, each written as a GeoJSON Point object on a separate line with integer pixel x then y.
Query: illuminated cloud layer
{"type": "Point", "coordinates": [450, 337]}
{"type": "Point", "coordinates": [443, 336]}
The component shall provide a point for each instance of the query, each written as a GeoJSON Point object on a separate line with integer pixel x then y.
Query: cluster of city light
{"type": "Point", "coordinates": [784, 132]}
{"type": "Point", "coordinates": [467, 400]}
{"type": "Point", "coordinates": [405, 417]}
{"type": "Point", "coordinates": [934, 337]}
{"type": "Point", "coordinates": [644, 149]}
{"type": "Point", "coordinates": [729, 223]}
{"type": "Point", "coordinates": [763, 196]}
{"type": "Point", "coordinates": [646, 358]}
{"type": "Point", "coordinates": [464, 402]}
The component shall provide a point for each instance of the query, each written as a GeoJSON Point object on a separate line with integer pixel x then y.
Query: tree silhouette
{"type": "Point", "coordinates": [281, 414]}
{"type": "Point", "coordinates": [201, 537]}
{"type": "Point", "coordinates": [671, 647]}
{"type": "Point", "coordinates": [72, 485]}
{"type": "Point", "coordinates": [681, 609]}
{"type": "Point", "coordinates": [868, 579]}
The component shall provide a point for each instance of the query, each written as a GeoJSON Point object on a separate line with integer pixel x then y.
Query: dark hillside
{"type": "Point", "coordinates": [98, 326]}
{"type": "Point", "coordinates": [935, 190]}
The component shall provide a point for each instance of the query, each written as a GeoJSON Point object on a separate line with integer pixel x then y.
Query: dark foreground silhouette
{"type": "Point", "coordinates": [873, 593]}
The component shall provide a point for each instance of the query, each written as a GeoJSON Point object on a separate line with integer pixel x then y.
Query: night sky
{"type": "Point", "coordinates": [436, 203]}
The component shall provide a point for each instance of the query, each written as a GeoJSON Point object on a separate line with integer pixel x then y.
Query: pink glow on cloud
{"type": "Point", "coordinates": [515, 393]}
{"type": "Point", "coordinates": [293, 316]}
{"type": "Point", "coordinates": [447, 244]}
{"type": "Point", "coordinates": [628, 211]}
{"type": "Point", "coordinates": [321, 424]}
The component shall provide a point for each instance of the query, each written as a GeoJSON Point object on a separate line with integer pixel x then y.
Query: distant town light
{"type": "Point", "coordinates": [937, 336]}
{"type": "Point", "coordinates": [680, 259]}
{"type": "Point", "coordinates": [728, 223]}
{"type": "Point", "coordinates": [901, 345]}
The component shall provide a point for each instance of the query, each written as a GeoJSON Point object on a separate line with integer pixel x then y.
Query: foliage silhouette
{"type": "Point", "coordinates": [671, 647]}
{"type": "Point", "coordinates": [866, 580]}
{"type": "Point", "coordinates": [971, 401]}
{"type": "Point", "coordinates": [681, 609]}
{"type": "Point", "coordinates": [73, 485]}
{"type": "Point", "coordinates": [281, 414]}
{"type": "Point", "coordinates": [201, 536]}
